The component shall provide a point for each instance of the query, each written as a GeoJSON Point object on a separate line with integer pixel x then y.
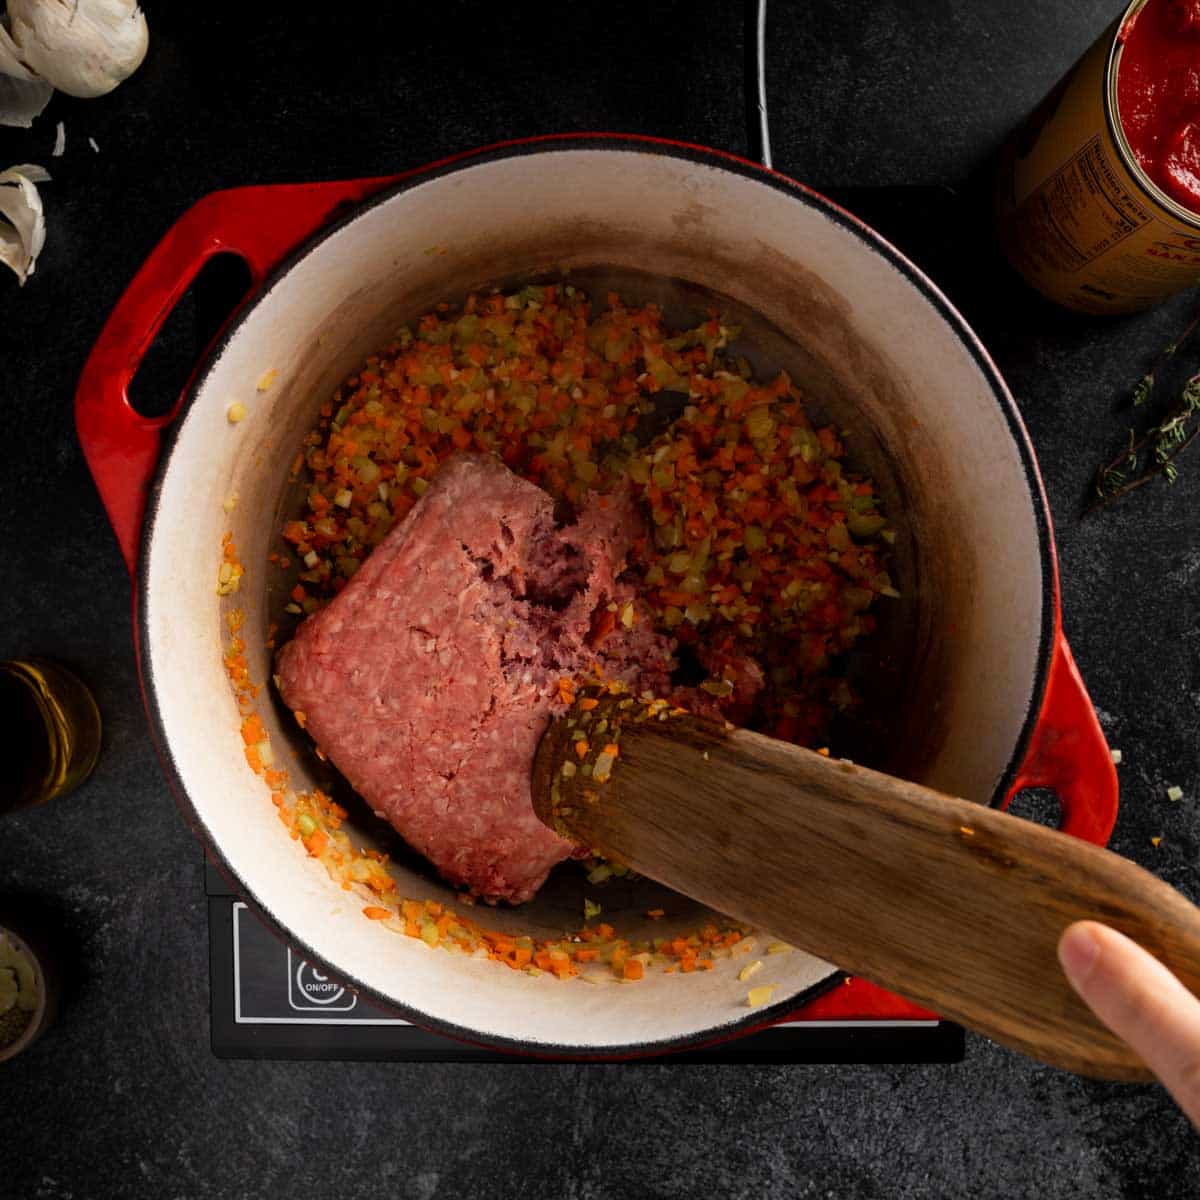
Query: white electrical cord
{"type": "Point", "coordinates": [759, 60]}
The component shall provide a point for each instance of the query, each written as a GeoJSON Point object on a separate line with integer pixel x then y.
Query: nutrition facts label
{"type": "Point", "coordinates": [1082, 211]}
{"type": "Point", "coordinates": [1078, 216]}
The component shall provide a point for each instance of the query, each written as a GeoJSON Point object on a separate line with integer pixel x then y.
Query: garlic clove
{"type": "Point", "coordinates": [22, 94]}
{"type": "Point", "coordinates": [22, 99]}
{"type": "Point", "coordinates": [23, 225]}
{"type": "Point", "coordinates": [10, 57]}
{"type": "Point", "coordinates": [83, 47]}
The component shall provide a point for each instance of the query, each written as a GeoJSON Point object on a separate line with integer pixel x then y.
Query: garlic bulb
{"type": "Point", "coordinates": [82, 47]}
{"type": "Point", "coordinates": [22, 226]}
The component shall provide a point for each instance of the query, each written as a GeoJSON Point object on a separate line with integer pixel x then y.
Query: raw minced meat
{"type": "Point", "coordinates": [430, 679]}
{"type": "Point", "coordinates": [754, 553]}
{"type": "Point", "coordinates": [763, 550]}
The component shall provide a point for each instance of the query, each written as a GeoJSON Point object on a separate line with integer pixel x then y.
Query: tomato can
{"type": "Point", "coordinates": [1077, 214]}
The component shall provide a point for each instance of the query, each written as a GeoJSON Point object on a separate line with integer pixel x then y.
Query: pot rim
{"type": "Point", "coordinates": [604, 142]}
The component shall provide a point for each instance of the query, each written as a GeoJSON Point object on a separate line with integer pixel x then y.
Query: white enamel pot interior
{"type": "Point", "coordinates": [952, 681]}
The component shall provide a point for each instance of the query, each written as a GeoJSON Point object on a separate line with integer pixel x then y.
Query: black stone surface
{"type": "Point", "coordinates": [123, 1097]}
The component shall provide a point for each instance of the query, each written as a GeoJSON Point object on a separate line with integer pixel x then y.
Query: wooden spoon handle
{"type": "Point", "coordinates": [957, 906]}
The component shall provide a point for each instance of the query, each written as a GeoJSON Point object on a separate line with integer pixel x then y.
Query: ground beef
{"type": "Point", "coordinates": [429, 681]}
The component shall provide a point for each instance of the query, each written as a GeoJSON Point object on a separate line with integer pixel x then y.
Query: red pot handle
{"type": "Point", "coordinates": [259, 224]}
{"type": "Point", "coordinates": [1069, 754]}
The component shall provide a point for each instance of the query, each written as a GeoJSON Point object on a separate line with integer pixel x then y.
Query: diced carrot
{"type": "Point", "coordinates": [374, 913]}
{"type": "Point", "coordinates": [316, 842]}
{"type": "Point", "coordinates": [252, 730]}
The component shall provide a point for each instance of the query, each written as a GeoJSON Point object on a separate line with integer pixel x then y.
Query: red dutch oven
{"type": "Point", "coordinates": [970, 686]}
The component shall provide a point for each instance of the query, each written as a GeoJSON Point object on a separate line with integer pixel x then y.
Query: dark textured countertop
{"type": "Point", "coordinates": [123, 1097]}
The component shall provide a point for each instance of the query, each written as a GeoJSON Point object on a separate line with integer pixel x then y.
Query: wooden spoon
{"type": "Point", "coordinates": [957, 906]}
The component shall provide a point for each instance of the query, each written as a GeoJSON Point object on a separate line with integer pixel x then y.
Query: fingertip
{"type": "Point", "coordinates": [1078, 950]}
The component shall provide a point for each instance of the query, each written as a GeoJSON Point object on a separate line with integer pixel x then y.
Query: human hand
{"type": "Point", "coordinates": [1141, 1002]}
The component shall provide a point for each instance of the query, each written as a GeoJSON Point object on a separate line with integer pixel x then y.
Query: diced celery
{"type": "Point", "coordinates": [865, 525]}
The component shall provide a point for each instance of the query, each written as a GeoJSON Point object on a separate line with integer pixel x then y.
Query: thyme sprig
{"type": "Point", "coordinates": [1154, 453]}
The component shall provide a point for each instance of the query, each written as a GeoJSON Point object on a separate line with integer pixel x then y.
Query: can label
{"type": "Point", "coordinates": [1077, 216]}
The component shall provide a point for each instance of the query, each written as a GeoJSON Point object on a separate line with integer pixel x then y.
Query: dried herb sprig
{"type": "Point", "coordinates": [1155, 452]}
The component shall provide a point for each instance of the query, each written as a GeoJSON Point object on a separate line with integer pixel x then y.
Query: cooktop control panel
{"type": "Point", "coordinates": [269, 1001]}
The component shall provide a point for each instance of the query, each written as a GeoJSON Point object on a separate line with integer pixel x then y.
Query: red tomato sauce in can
{"type": "Point", "coordinates": [1158, 95]}
{"type": "Point", "coordinates": [1098, 192]}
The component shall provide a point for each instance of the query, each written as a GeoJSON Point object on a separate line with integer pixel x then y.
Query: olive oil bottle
{"type": "Point", "coordinates": [49, 732]}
